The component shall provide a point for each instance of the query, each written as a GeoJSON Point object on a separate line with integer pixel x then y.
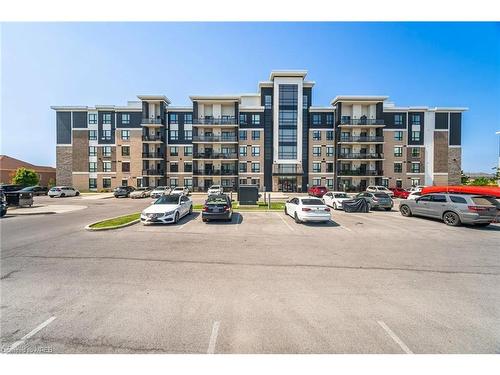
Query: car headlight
{"type": "Point", "coordinates": [169, 213]}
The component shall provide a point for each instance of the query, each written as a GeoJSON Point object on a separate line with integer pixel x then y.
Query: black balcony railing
{"type": "Point", "coordinates": [362, 155]}
{"type": "Point", "coordinates": [215, 155]}
{"type": "Point", "coordinates": [227, 120]}
{"type": "Point", "coordinates": [215, 172]}
{"type": "Point", "coordinates": [153, 138]}
{"type": "Point", "coordinates": [215, 138]}
{"type": "Point", "coordinates": [361, 172]}
{"type": "Point", "coordinates": [362, 139]}
{"type": "Point", "coordinates": [361, 121]}
{"type": "Point", "coordinates": [287, 169]}
{"type": "Point", "coordinates": [153, 172]}
{"type": "Point", "coordinates": [152, 155]}
{"type": "Point", "coordinates": [151, 121]}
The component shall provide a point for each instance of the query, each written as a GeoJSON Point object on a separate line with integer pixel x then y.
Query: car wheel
{"type": "Point", "coordinates": [369, 206]}
{"type": "Point", "coordinates": [334, 206]}
{"type": "Point", "coordinates": [77, 193]}
{"type": "Point", "coordinates": [51, 196]}
{"type": "Point", "coordinates": [387, 208]}
{"type": "Point", "coordinates": [204, 220]}
{"type": "Point", "coordinates": [176, 219]}
{"type": "Point", "coordinates": [286, 212]}
{"type": "Point", "coordinates": [297, 220]}
{"type": "Point", "coordinates": [405, 210]}
{"type": "Point", "coordinates": [452, 219]}
{"type": "Point", "coordinates": [62, 195]}
{"type": "Point", "coordinates": [190, 209]}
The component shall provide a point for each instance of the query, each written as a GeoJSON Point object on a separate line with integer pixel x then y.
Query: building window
{"type": "Point", "coordinates": [415, 119]}
{"type": "Point", "coordinates": [188, 150]}
{"type": "Point", "coordinates": [125, 150]}
{"type": "Point", "coordinates": [415, 181]}
{"type": "Point", "coordinates": [106, 183]}
{"type": "Point", "coordinates": [316, 167]}
{"type": "Point", "coordinates": [256, 167]}
{"type": "Point", "coordinates": [92, 135]}
{"type": "Point", "coordinates": [305, 103]}
{"type": "Point", "coordinates": [287, 135]}
{"type": "Point", "coordinates": [125, 118]}
{"type": "Point", "coordinates": [329, 167]}
{"type": "Point", "coordinates": [329, 183]}
{"type": "Point", "coordinates": [329, 119]}
{"type": "Point", "coordinates": [174, 118]}
{"type": "Point", "coordinates": [316, 181]}
{"type": "Point", "coordinates": [255, 119]}
{"type": "Point", "coordinates": [415, 136]}
{"type": "Point", "coordinates": [125, 134]}
{"type": "Point", "coordinates": [243, 119]}
{"type": "Point", "coordinates": [92, 167]}
{"type": "Point", "coordinates": [268, 102]}
{"type": "Point", "coordinates": [188, 167]}
{"type": "Point", "coordinates": [188, 118]}
{"type": "Point", "coordinates": [125, 167]}
{"type": "Point", "coordinates": [92, 118]}
{"type": "Point", "coordinates": [106, 166]}
{"type": "Point", "coordinates": [242, 167]}
{"type": "Point", "coordinates": [124, 182]}
{"type": "Point", "coordinates": [243, 181]}
{"type": "Point", "coordinates": [243, 150]}
{"type": "Point", "coordinates": [288, 95]}
{"type": "Point", "coordinates": [398, 136]}
{"type": "Point", "coordinates": [106, 135]}
{"type": "Point", "coordinates": [398, 119]}
{"type": "Point", "coordinates": [317, 151]}
{"type": "Point", "coordinates": [415, 152]}
{"type": "Point", "coordinates": [188, 182]}
{"type": "Point", "coordinates": [188, 135]}
{"type": "Point", "coordinates": [398, 151]}
{"type": "Point", "coordinates": [287, 152]}
{"type": "Point", "coordinates": [174, 151]}
{"type": "Point", "coordinates": [92, 183]}
{"type": "Point", "coordinates": [329, 135]}
{"type": "Point", "coordinates": [330, 150]}
{"type": "Point", "coordinates": [316, 119]}
{"type": "Point", "coordinates": [255, 135]}
{"type": "Point", "coordinates": [255, 150]}
{"type": "Point", "coordinates": [106, 151]}
{"type": "Point", "coordinates": [398, 167]}
{"type": "Point", "coordinates": [174, 135]}
{"type": "Point", "coordinates": [174, 167]}
{"type": "Point", "coordinates": [106, 118]}
{"type": "Point", "coordinates": [415, 167]}
{"type": "Point", "coordinates": [243, 135]}
{"type": "Point", "coordinates": [173, 182]}
{"type": "Point", "coordinates": [92, 151]}
{"type": "Point", "coordinates": [316, 135]}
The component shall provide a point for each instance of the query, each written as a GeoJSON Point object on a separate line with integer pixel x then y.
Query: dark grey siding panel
{"type": "Point", "coordinates": [135, 120]}
{"type": "Point", "coordinates": [268, 139]}
{"type": "Point", "coordinates": [389, 122]}
{"type": "Point", "coordinates": [80, 120]}
{"type": "Point", "coordinates": [195, 110]}
{"type": "Point", "coordinates": [248, 122]}
{"type": "Point", "coordinates": [180, 122]}
{"type": "Point", "coordinates": [306, 120]}
{"type": "Point", "coordinates": [100, 115]}
{"type": "Point", "coordinates": [379, 109]}
{"type": "Point", "coordinates": [422, 126]}
{"type": "Point", "coordinates": [63, 127]}
{"type": "Point", "coordinates": [455, 129]}
{"type": "Point", "coordinates": [323, 124]}
{"type": "Point", "coordinates": [442, 120]}
{"type": "Point", "coordinates": [145, 110]}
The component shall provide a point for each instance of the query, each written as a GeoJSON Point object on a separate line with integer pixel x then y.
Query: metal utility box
{"type": "Point", "coordinates": [17, 198]}
{"type": "Point", "coordinates": [248, 194]}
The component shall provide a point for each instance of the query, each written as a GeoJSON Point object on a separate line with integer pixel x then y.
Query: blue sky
{"type": "Point", "coordinates": [434, 64]}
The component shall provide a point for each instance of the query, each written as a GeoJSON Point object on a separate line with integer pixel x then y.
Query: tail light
{"type": "Point", "coordinates": [327, 209]}
{"type": "Point", "coordinates": [477, 208]}
{"type": "Point", "coordinates": [205, 208]}
{"type": "Point", "coordinates": [306, 209]}
{"type": "Point", "coordinates": [226, 208]}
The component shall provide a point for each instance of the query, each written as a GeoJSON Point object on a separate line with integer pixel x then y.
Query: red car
{"type": "Point", "coordinates": [400, 192]}
{"type": "Point", "coordinates": [317, 191]}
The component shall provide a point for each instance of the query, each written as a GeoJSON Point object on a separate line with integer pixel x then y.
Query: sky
{"type": "Point", "coordinates": [415, 64]}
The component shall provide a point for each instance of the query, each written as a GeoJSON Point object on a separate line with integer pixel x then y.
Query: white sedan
{"type": "Point", "coordinates": [307, 209]}
{"type": "Point", "coordinates": [63, 191]}
{"type": "Point", "coordinates": [215, 190]}
{"type": "Point", "coordinates": [167, 209]}
{"type": "Point", "coordinates": [335, 198]}
{"type": "Point", "coordinates": [180, 190]}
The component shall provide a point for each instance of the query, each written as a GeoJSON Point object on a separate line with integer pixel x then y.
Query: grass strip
{"type": "Point", "coordinates": [120, 220]}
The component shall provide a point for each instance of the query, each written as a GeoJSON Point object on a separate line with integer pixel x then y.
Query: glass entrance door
{"type": "Point", "coordinates": [287, 184]}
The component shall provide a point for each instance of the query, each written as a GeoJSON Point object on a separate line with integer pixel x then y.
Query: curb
{"type": "Point", "coordinates": [88, 226]}
{"type": "Point", "coordinates": [31, 213]}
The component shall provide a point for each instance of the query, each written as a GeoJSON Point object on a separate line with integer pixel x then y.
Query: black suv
{"type": "Point", "coordinates": [36, 190]}
{"type": "Point", "coordinates": [123, 191]}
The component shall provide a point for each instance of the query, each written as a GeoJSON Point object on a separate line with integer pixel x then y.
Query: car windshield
{"type": "Point", "coordinates": [29, 188]}
{"type": "Point", "coordinates": [217, 199]}
{"type": "Point", "coordinates": [160, 188]}
{"type": "Point", "coordinates": [215, 187]}
{"type": "Point", "coordinates": [312, 202]}
{"type": "Point", "coordinates": [168, 199]}
{"type": "Point", "coordinates": [381, 195]}
{"type": "Point", "coordinates": [341, 195]}
{"type": "Point", "coordinates": [140, 188]}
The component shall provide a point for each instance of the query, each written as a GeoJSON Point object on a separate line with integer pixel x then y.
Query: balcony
{"type": "Point", "coordinates": [360, 172]}
{"type": "Point", "coordinates": [226, 120]}
{"type": "Point", "coordinates": [362, 155]}
{"type": "Point", "coordinates": [215, 138]}
{"type": "Point", "coordinates": [361, 122]}
{"type": "Point", "coordinates": [215, 155]}
{"type": "Point", "coordinates": [152, 155]}
{"type": "Point", "coordinates": [287, 170]}
{"type": "Point", "coordinates": [153, 138]}
{"type": "Point", "coordinates": [215, 172]}
{"type": "Point", "coordinates": [153, 172]}
{"type": "Point", "coordinates": [362, 139]}
{"type": "Point", "coordinates": [151, 122]}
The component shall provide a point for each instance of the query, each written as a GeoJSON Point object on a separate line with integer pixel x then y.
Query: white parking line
{"type": "Point", "coordinates": [30, 334]}
{"type": "Point", "coordinates": [396, 339]}
{"type": "Point", "coordinates": [213, 338]}
{"type": "Point", "coordinates": [283, 220]}
{"type": "Point", "coordinates": [238, 221]}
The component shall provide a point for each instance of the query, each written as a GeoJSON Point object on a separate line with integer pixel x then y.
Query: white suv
{"type": "Point", "coordinates": [379, 189]}
{"type": "Point", "coordinates": [215, 190]}
{"type": "Point", "coordinates": [63, 191]}
{"type": "Point", "coordinates": [182, 190]}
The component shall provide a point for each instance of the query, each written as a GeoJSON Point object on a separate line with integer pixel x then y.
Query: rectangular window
{"type": "Point", "coordinates": [242, 167]}
{"type": "Point", "coordinates": [415, 136]}
{"type": "Point", "coordinates": [92, 135]}
{"type": "Point", "coordinates": [398, 119]}
{"type": "Point", "coordinates": [329, 167]}
{"type": "Point", "coordinates": [316, 120]}
{"type": "Point", "coordinates": [329, 119]}
{"type": "Point", "coordinates": [92, 183]}
{"type": "Point", "coordinates": [188, 150]}
{"type": "Point", "coordinates": [106, 118]}
{"type": "Point", "coordinates": [106, 151]}
{"type": "Point", "coordinates": [125, 118]}
{"type": "Point", "coordinates": [415, 167]}
{"type": "Point", "coordinates": [329, 135]}
{"type": "Point", "coordinates": [287, 135]}
{"type": "Point", "coordinates": [92, 167]}
{"type": "Point", "coordinates": [174, 151]}
{"type": "Point", "coordinates": [243, 150]}
{"type": "Point", "coordinates": [255, 119]}
{"type": "Point", "coordinates": [256, 167]}
{"type": "Point", "coordinates": [398, 151]}
{"type": "Point", "coordinates": [174, 167]}
{"type": "Point", "coordinates": [92, 118]}
{"type": "Point", "coordinates": [188, 182]}
{"type": "Point", "coordinates": [243, 118]}
{"type": "Point", "coordinates": [398, 167]}
{"type": "Point", "coordinates": [330, 150]}
{"type": "Point", "coordinates": [317, 151]}
{"type": "Point", "coordinates": [174, 182]}
{"type": "Point", "coordinates": [243, 135]}
{"type": "Point", "coordinates": [124, 182]}
{"type": "Point", "coordinates": [92, 151]}
{"type": "Point", "coordinates": [316, 167]}
{"type": "Point", "coordinates": [255, 151]}
{"type": "Point", "coordinates": [174, 135]}
{"type": "Point", "coordinates": [255, 181]}
{"type": "Point", "coordinates": [287, 152]}
{"type": "Point", "coordinates": [188, 135]}
{"type": "Point", "coordinates": [243, 181]}
{"type": "Point", "coordinates": [316, 135]}
{"type": "Point", "coordinates": [106, 166]}
{"type": "Point", "coordinates": [125, 150]}
{"type": "Point", "coordinates": [287, 118]}
{"type": "Point", "coordinates": [288, 95]}
{"type": "Point", "coordinates": [305, 103]}
{"type": "Point", "coordinates": [106, 183]}
{"type": "Point", "coordinates": [316, 181]}
{"type": "Point", "coordinates": [329, 183]}
{"type": "Point", "coordinates": [268, 102]}
{"type": "Point", "coordinates": [415, 181]}
{"type": "Point", "coordinates": [188, 167]}
{"type": "Point", "coordinates": [255, 135]}
{"type": "Point", "coordinates": [398, 136]}
{"type": "Point", "coordinates": [174, 118]}
{"type": "Point", "coordinates": [125, 135]}
{"type": "Point", "coordinates": [188, 118]}
{"type": "Point", "coordinates": [415, 119]}
{"type": "Point", "coordinates": [125, 167]}
{"type": "Point", "coordinates": [106, 135]}
{"type": "Point", "coordinates": [415, 152]}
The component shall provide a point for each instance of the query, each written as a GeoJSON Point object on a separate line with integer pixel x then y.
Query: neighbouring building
{"type": "Point", "coordinates": [274, 138]}
{"type": "Point", "coordinates": [9, 165]}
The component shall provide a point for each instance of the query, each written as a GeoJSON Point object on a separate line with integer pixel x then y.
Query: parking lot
{"type": "Point", "coordinates": [364, 283]}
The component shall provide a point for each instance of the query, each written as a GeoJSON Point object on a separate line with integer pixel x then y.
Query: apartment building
{"type": "Point", "coordinates": [274, 138]}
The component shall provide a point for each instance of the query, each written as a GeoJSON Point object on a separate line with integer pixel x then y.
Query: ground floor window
{"type": "Point", "coordinates": [243, 181]}
{"type": "Point", "coordinates": [385, 182]}
{"type": "Point", "coordinates": [329, 183]}
{"type": "Point", "coordinates": [255, 181]}
{"type": "Point", "coordinates": [124, 182]}
{"type": "Point", "coordinates": [92, 183]}
{"type": "Point", "coordinates": [399, 183]}
{"type": "Point", "coordinates": [415, 181]}
{"type": "Point", "coordinates": [139, 182]}
{"type": "Point", "coordinates": [173, 182]}
{"type": "Point", "coordinates": [106, 183]}
{"type": "Point", "coordinates": [188, 182]}
{"type": "Point", "coordinates": [287, 184]}
{"type": "Point", "coordinates": [316, 181]}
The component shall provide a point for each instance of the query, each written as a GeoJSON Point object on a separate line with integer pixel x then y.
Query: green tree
{"type": "Point", "coordinates": [481, 181]}
{"type": "Point", "coordinates": [25, 177]}
{"type": "Point", "coordinates": [464, 178]}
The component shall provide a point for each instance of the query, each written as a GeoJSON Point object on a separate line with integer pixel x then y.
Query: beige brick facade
{"type": "Point", "coordinates": [64, 165]}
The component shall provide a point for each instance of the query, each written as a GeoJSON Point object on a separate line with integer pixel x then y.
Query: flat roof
{"type": "Point", "coordinates": [233, 98]}
{"type": "Point", "coordinates": [154, 97]}
{"type": "Point", "coordinates": [358, 98]}
{"type": "Point", "coordinates": [287, 73]}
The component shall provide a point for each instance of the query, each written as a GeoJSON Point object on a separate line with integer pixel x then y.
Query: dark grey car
{"type": "Point", "coordinates": [453, 209]}
{"type": "Point", "coordinates": [377, 200]}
